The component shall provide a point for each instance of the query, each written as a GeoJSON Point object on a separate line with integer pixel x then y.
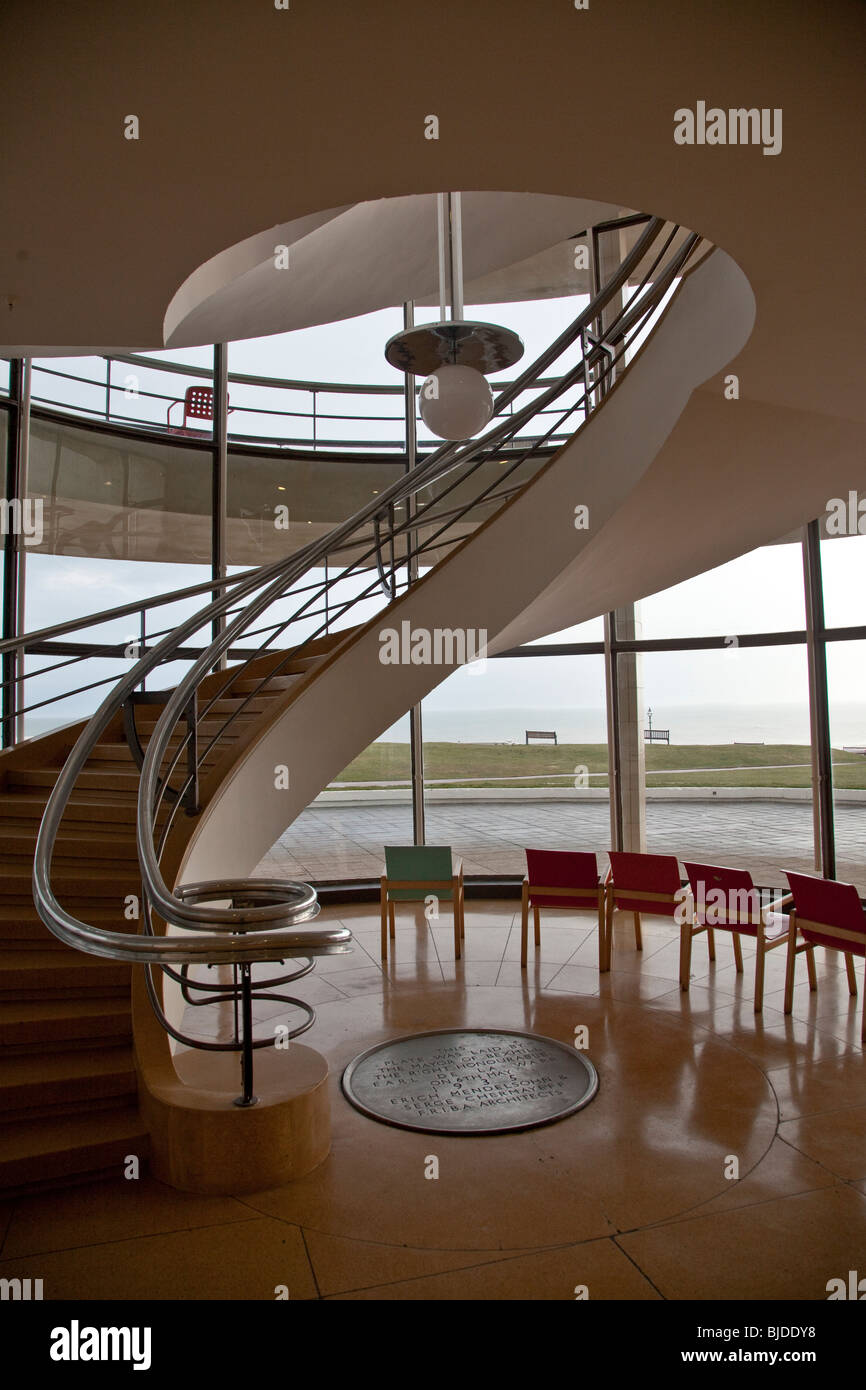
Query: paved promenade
{"type": "Point", "coordinates": [330, 842]}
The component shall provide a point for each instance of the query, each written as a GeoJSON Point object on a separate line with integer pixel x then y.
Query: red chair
{"type": "Point", "coordinates": [639, 883]}
{"type": "Point", "coordinates": [197, 405]}
{"type": "Point", "coordinates": [831, 915]}
{"type": "Point", "coordinates": [561, 879]}
{"type": "Point", "coordinates": [727, 900]}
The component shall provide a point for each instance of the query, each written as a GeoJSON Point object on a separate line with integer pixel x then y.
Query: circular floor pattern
{"type": "Point", "coordinates": [483, 1081]}
{"type": "Point", "coordinates": [675, 1100]}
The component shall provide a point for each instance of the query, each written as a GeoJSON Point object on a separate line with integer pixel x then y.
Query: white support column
{"type": "Point", "coordinates": [625, 721]}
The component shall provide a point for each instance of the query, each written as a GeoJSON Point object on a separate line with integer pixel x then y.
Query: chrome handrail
{"type": "Point", "coordinates": [219, 939]}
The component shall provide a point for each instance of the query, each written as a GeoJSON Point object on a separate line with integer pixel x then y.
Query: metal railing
{"type": "Point", "coordinates": [302, 429]}
{"type": "Point", "coordinates": [379, 551]}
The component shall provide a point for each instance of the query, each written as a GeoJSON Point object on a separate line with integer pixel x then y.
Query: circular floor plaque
{"type": "Point", "coordinates": [483, 1081]}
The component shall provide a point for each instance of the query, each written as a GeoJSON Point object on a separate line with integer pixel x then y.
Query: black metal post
{"type": "Point", "coordinates": [12, 661]}
{"type": "Point", "coordinates": [247, 1098]}
{"type": "Point", "coordinates": [816, 643]}
{"type": "Point", "coordinates": [416, 737]}
{"type": "Point", "coordinates": [613, 732]}
{"type": "Point", "coordinates": [220, 477]}
{"type": "Point", "coordinates": [191, 805]}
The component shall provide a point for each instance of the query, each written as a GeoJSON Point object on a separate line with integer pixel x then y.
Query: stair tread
{"type": "Point", "coordinates": [63, 1010]}
{"type": "Point", "coordinates": [67, 1133]}
{"type": "Point", "coordinates": [46, 1066]}
{"type": "Point", "coordinates": [40, 960]}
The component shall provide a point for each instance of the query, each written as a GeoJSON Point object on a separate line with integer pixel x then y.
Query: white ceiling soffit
{"type": "Point", "coordinates": [353, 261]}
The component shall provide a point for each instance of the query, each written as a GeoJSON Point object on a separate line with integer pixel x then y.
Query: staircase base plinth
{"type": "Point", "coordinates": [200, 1141]}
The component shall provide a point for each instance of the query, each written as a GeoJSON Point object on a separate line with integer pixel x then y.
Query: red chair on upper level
{"type": "Point", "coordinates": [639, 883]}
{"type": "Point", "coordinates": [197, 405]}
{"type": "Point", "coordinates": [829, 914]}
{"type": "Point", "coordinates": [561, 879]}
{"type": "Point", "coordinates": [727, 900]}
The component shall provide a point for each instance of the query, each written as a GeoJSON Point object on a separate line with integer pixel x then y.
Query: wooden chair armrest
{"type": "Point", "coordinates": [777, 904]}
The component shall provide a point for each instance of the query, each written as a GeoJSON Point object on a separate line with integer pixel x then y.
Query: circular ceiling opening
{"type": "Point", "coordinates": [354, 260]}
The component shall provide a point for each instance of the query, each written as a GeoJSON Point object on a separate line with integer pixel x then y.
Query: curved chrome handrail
{"type": "Point", "coordinates": [221, 933]}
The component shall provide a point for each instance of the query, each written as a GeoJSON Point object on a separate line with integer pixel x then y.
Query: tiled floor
{"type": "Point", "coordinates": [332, 842]}
{"type": "Point", "coordinates": [628, 1197]}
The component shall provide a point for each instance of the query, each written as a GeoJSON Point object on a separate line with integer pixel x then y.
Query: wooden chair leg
{"type": "Point", "coordinates": [383, 907]}
{"type": "Point", "coordinates": [852, 978]}
{"type": "Point", "coordinates": [789, 972]}
{"type": "Point", "coordinates": [536, 914]}
{"type": "Point", "coordinates": [760, 960]}
{"type": "Point", "coordinates": [600, 935]}
{"type": "Point", "coordinates": [863, 1023]}
{"type": "Point", "coordinates": [524, 925]}
{"type": "Point", "coordinates": [738, 953]}
{"type": "Point", "coordinates": [810, 966]}
{"type": "Point", "coordinates": [608, 933]}
{"type": "Point", "coordinates": [711, 943]}
{"type": "Point", "coordinates": [685, 956]}
{"type": "Point", "coordinates": [455, 903]}
{"type": "Point", "coordinates": [392, 921]}
{"type": "Point", "coordinates": [638, 938]}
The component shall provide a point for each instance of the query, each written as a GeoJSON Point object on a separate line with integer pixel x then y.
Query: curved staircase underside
{"type": "Point", "coordinates": [68, 1078]}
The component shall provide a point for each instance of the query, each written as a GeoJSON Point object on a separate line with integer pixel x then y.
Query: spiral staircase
{"type": "Point", "coordinates": [126, 865]}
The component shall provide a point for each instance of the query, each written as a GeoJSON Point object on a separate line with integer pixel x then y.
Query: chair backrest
{"type": "Point", "coordinates": [723, 896]}
{"type": "Point", "coordinates": [824, 904]}
{"type": "Point", "coordinates": [198, 403]}
{"type": "Point", "coordinates": [646, 882]}
{"type": "Point", "coordinates": [418, 864]}
{"type": "Point", "coordinates": [562, 868]}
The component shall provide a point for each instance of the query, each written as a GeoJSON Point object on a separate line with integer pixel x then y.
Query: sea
{"type": "Point", "coordinates": [688, 724]}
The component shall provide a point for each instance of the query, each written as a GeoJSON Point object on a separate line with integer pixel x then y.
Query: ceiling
{"type": "Point", "coordinates": [252, 118]}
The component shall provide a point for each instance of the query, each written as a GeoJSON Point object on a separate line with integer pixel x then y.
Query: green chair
{"type": "Point", "coordinates": [415, 872]}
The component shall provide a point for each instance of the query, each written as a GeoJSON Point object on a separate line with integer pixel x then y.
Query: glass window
{"type": "Point", "coordinates": [342, 833]}
{"type": "Point", "coordinates": [123, 520]}
{"type": "Point", "coordinates": [843, 573]}
{"type": "Point", "coordinates": [733, 784]}
{"type": "Point", "coordinates": [846, 663]}
{"type": "Point", "coordinates": [761, 591]}
{"type": "Point", "coordinates": [489, 792]}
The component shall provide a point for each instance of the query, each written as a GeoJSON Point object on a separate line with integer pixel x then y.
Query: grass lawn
{"type": "Point", "coordinates": [684, 765]}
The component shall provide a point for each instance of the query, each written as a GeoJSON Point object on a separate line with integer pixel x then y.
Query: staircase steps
{"type": "Point", "coordinates": [76, 882]}
{"type": "Point", "coordinates": [68, 1087]}
{"type": "Point", "coordinates": [21, 928]}
{"type": "Point", "coordinates": [275, 685]}
{"type": "Point", "coordinates": [51, 1024]}
{"type": "Point", "coordinates": [34, 974]}
{"type": "Point", "coordinates": [90, 780]}
{"type": "Point", "coordinates": [31, 1085]}
{"type": "Point", "coordinates": [65, 1147]}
